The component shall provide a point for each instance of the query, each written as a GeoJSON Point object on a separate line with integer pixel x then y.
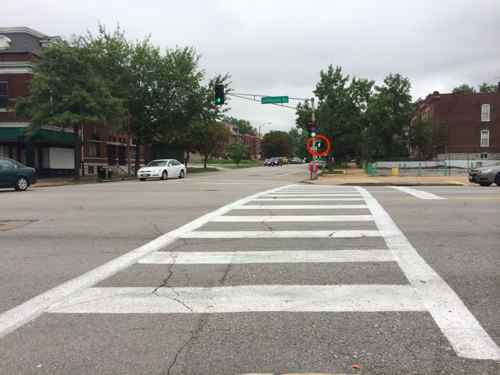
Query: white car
{"type": "Point", "coordinates": [162, 169]}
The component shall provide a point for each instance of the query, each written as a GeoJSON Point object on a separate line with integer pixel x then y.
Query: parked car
{"type": "Point", "coordinates": [162, 169]}
{"type": "Point", "coordinates": [485, 176]}
{"type": "Point", "coordinates": [273, 162]}
{"type": "Point", "coordinates": [295, 161]}
{"type": "Point", "coordinates": [16, 175]}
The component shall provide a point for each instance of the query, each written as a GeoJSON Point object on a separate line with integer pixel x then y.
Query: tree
{"type": "Point", "coordinates": [421, 138]}
{"type": "Point", "coordinates": [112, 60]}
{"type": "Point", "coordinates": [237, 152]}
{"type": "Point", "coordinates": [341, 111]}
{"type": "Point", "coordinates": [389, 113]}
{"type": "Point", "coordinates": [276, 143]}
{"type": "Point", "coordinates": [464, 88]}
{"type": "Point", "coordinates": [298, 140]}
{"type": "Point", "coordinates": [67, 91]}
{"type": "Point", "coordinates": [208, 139]}
{"type": "Point", "coordinates": [487, 88]}
{"type": "Point", "coordinates": [243, 126]}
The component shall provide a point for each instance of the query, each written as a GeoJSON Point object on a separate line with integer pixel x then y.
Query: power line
{"type": "Point", "coordinates": [255, 95]}
{"type": "Point", "coordinates": [258, 101]}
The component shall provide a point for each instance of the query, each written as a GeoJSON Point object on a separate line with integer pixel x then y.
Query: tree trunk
{"type": "Point", "coordinates": [78, 159]}
{"type": "Point", "coordinates": [205, 161]}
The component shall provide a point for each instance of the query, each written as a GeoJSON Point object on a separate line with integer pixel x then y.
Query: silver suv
{"type": "Point", "coordinates": [485, 176]}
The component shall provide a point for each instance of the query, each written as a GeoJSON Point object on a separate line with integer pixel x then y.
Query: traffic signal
{"type": "Point", "coordinates": [312, 129]}
{"type": "Point", "coordinates": [219, 94]}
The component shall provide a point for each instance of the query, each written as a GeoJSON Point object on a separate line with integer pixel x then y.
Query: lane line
{"type": "Point", "coordinates": [459, 326]}
{"type": "Point", "coordinates": [297, 195]}
{"type": "Point", "coordinates": [300, 207]}
{"type": "Point", "coordinates": [308, 199]}
{"type": "Point", "coordinates": [248, 298]}
{"type": "Point", "coordinates": [416, 193]}
{"type": "Point", "coordinates": [291, 218]}
{"type": "Point", "coordinates": [14, 318]}
{"type": "Point", "coordinates": [275, 256]}
{"type": "Point", "coordinates": [283, 234]}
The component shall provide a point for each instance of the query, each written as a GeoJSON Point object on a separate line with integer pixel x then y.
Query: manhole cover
{"type": "Point", "coordinates": [6, 225]}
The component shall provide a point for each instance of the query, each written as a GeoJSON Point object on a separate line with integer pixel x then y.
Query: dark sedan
{"type": "Point", "coordinates": [16, 175]}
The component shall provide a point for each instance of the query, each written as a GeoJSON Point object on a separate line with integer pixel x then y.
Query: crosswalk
{"type": "Point", "coordinates": [341, 215]}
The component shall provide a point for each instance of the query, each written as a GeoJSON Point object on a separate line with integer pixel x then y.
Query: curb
{"type": "Point", "coordinates": [387, 183]}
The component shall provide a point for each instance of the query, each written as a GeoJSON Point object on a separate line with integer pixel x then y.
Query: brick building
{"type": "Point", "coordinates": [49, 149]}
{"type": "Point", "coordinates": [470, 123]}
{"type": "Point", "coordinates": [251, 141]}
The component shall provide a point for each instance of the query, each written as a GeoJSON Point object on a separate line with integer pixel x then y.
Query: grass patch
{"type": "Point", "coordinates": [248, 163]}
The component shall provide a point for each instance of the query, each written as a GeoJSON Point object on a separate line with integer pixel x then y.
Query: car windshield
{"type": "Point", "coordinates": [156, 163]}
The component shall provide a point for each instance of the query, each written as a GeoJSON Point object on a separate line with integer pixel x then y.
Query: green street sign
{"type": "Point", "coordinates": [274, 99]}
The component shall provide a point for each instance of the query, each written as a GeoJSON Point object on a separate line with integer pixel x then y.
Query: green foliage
{"type": "Point", "coordinates": [67, 90]}
{"type": "Point", "coordinates": [464, 88]}
{"type": "Point", "coordinates": [487, 88]}
{"type": "Point", "coordinates": [364, 121]}
{"type": "Point", "coordinates": [298, 140]}
{"type": "Point", "coordinates": [388, 117]}
{"type": "Point", "coordinates": [208, 139]}
{"type": "Point", "coordinates": [237, 152]}
{"type": "Point", "coordinates": [243, 126]}
{"type": "Point", "coordinates": [276, 143]}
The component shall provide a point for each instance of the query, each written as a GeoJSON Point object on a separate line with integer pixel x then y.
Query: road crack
{"type": "Point", "coordinates": [191, 339]}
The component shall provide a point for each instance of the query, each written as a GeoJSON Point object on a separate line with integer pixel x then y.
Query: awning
{"type": "Point", "coordinates": [49, 137]}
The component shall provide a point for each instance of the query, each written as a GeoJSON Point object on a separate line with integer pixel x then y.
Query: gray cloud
{"type": "Point", "coordinates": [278, 47]}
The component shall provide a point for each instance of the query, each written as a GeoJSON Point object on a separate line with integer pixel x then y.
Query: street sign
{"type": "Point", "coordinates": [274, 99]}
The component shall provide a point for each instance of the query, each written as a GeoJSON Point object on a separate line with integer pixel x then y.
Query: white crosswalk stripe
{"type": "Point", "coordinates": [425, 290]}
{"type": "Point", "coordinates": [275, 256]}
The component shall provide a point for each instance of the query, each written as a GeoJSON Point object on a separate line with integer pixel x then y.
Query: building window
{"type": "Point", "coordinates": [485, 113]}
{"type": "Point", "coordinates": [94, 150]}
{"type": "Point", "coordinates": [4, 94]}
{"type": "Point", "coordinates": [91, 169]}
{"type": "Point", "coordinates": [485, 138]}
{"type": "Point", "coordinates": [484, 155]}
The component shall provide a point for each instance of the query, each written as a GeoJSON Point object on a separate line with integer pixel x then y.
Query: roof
{"type": "Point", "coordinates": [24, 40]}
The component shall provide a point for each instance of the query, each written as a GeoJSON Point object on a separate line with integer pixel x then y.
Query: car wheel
{"type": "Point", "coordinates": [497, 179]}
{"type": "Point", "coordinates": [485, 183]}
{"type": "Point", "coordinates": [182, 173]}
{"type": "Point", "coordinates": [164, 175]}
{"type": "Point", "coordinates": [22, 184]}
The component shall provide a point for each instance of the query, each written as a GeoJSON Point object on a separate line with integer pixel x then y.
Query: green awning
{"type": "Point", "coordinates": [11, 134]}
{"type": "Point", "coordinates": [55, 137]}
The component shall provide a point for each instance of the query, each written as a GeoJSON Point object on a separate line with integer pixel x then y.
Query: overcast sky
{"type": "Point", "coordinates": [276, 47]}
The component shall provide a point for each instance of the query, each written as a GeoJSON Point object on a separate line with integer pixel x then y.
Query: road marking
{"type": "Point", "coordinates": [300, 207]}
{"type": "Point", "coordinates": [284, 234]}
{"type": "Point", "coordinates": [308, 199]}
{"type": "Point", "coordinates": [248, 298]}
{"type": "Point", "coordinates": [417, 193]}
{"type": "Point", "coordinates": [276, 256]}
{"type": "Point", "coordinates": [451, 315]}
{"type": "Point", "coordinates": [292, 195]}
{"type": "Point", "coordinates": [33, 308]}
{"type": "Point", "coordinates": [291, 218]}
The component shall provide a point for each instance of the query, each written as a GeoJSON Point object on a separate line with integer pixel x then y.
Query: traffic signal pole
{"type": "Point", "coordinates": [314, 161]}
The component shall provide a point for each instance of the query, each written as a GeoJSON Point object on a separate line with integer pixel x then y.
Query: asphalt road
{"type": "Point", "coordinates": [395, 284]}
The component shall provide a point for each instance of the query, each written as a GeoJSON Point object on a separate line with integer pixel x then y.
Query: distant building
{"type": "Point", "coordinates": [251, 141]}
{"type": "Point", "coordinates": [470, 123]}
{"type": "Point", "coordinates": [49, 149]}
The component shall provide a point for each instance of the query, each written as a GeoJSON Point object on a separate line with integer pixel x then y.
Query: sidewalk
{"type": "Point", "coordinates": [359, 177]}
